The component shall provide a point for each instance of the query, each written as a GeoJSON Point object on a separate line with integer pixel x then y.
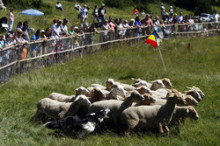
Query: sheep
{"type": "Point", "coordinates": [115, 106]}
{"type": "Point", "coordinates": [141, 117]}
{"type": "Point", "coordinates": [110, 82]}
{"type": "Point", "coordinates": [198, 90]}
{"type": "Point", "coordinates": [61, 97]}
{"type": "Point", "coordinates": [194, 94]}
{"type": "Point", "coordinates": [98, 94]}
{"type": "Point", "coordinates": [78, 126]}
{"type": "Point", "coordinates": [82, 90]}
{"type": "Point", "coordinates": [139, 82]}
{"type": "Point", "coordinates": [188, 98]}
{"type": "Point", "coordinates": [148, 99]}
{"type": "Point", "coordinates": [117, 92]}
{"type": "Point", "coordinates": [143, 90]}
{"type": "Point", "coordinates": [182, 112]}
{"type": "Point", "coordinates": [56, 110]}
{"type": "Point", "coordinates": [153, 85]}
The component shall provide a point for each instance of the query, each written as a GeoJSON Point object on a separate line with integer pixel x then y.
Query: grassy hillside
{"type": "Point", "coordinates": [199, 67]}
{"type": "Point", "coordinates": [42, 22]}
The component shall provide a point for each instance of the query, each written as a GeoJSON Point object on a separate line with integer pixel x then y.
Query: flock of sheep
{"type": "Point", "coordinates": [138, 107]}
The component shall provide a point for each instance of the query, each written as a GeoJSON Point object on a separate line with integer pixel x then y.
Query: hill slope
{"type": "Point", "coordinates": [199, 67]}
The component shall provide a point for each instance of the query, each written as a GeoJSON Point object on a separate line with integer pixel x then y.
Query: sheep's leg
{"type": "Point", "coordinates": [62, 114]}
{"type": "Point", "coordinates": [160, 127]}
{"type": "Point", "coordinates": [168, 130]}
{"type": "Point", "coordinates": [127, 133]}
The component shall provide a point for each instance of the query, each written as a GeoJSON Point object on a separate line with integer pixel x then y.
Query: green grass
{"type": "Point", "coordinates": [199, 67]}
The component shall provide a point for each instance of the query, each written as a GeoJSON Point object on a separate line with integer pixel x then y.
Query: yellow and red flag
{"type": "Point", "coordinates": [152, 39]}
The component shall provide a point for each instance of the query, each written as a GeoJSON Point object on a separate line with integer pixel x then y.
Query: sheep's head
{"type": "Point", "coordinates": [194, 94]}
{"type": "Point", "coordinates": [96, 94]}
{"type": "Point", "coordinates": [157, 84]}
{"type": "Point", "coordinates": [136, 80]}
{"type": "Point", "coordinates": [83, 100]}
{"type": "Point", "coordinates": [83, 91]}
{"type": "Point", "coordinates": [135, 96]}
{"type": "Point", "coordinates": [148, 99]}
{"type": "Point", "coordinates": [143, 90]}
{"type": "Point", "coordinates": [176, 97]}
{"type": "Point", "coordinates": [190, 100]}
{"type": "Point", "coordinates": [109, 83]}
{"type": "Point", "coordinates": [118, 90]}
{"type": "Point", "coordinates": [167, 83]}
{"type": "Point", "coordinates": [198, 90]}
{"type": "Point", "coordinates": [192, 113]}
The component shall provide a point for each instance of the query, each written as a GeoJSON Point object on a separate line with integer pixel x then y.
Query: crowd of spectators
{"type": "Point", "coordinates": [110, 28]}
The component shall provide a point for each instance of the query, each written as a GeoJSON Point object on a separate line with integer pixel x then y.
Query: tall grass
{"type": "Point", "coordinates": [199, 67]}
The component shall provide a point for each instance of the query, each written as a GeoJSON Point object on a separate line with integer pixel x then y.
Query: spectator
{"type": "Point", "coordinates": [216, 17]}
{"type": "Point", "coordinates": [75, 39]}
{"type": "Point", "coordinates": [56, 30]}
{"type": "Point", "coordinates": [59, 6]}
{"type": "Point", "coordinates": [71, 31]}
{"type": "Point", "coordinates": [102, 13]}
{"type": "Point", "coordinates": [84, 14]}
{"type": "Point", "coordinates": [19, 25]}
{"type": "Point", "coordinates": [162, 9]}
{"type": "Point", "coordinates": [171, 10]}
{"type": "Point", "coordinates": [157, 21]}
{"type": "Point", "coordinates": [6, 56]}
{"type": "Point", "coordinates": [2, 42]}
{"type": "Point", "coordinates": [48, 33]}
{"type": "Point", "coordinates": [131, 23]}
{"type": "Point", "coordinates": [106, 28]}
{"type": "Point", "coordinates": [25, 31]}
{"type": "Point", "coordinates": [120, 29]}
{"type": "Point", "coordinates": [11, 19]}
{"type": "Point", "coordinates": [111, 24]}
{"type": "Point", "coordinates": [180, 18]}
{"type": "Point", "coordinates": [138, 24]}
{"type": "Point", "coordinates": [63, 27]}
{"type": "Point", "coordinates": [95, 14]}
{"type": "Point", "coordinates": [147, 21]}
{"type": "Point", "coordinates": [2, 6]}
{"type": "Point", "coordinates": [34, 47]}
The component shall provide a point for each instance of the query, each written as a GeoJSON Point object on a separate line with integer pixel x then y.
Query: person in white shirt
{"type": "Point", "coordinates": [216, 16]}
{"type": "Point", "coordinates": [59, 6]}
{"type": "Point", "coordinates": [84, 14]}
{"type": "Point", "coordinates": [63, 27]}
{"type": "Point", "coordinates": [180, 17]}
{"type": "Point", "coordinates": [56, 30]}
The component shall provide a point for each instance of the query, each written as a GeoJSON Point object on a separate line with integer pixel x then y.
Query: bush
{"type": "Point", "coordinates": [24, 4]}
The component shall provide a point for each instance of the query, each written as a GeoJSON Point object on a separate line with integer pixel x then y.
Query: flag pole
{"type": "Point", "coordinates": [164, 66]}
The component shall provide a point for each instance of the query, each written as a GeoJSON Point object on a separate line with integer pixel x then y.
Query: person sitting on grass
{"type": "Point", "coordinates": [59, 6]}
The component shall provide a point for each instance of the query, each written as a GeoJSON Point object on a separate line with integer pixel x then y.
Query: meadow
{"type": "Point", "coordinates": [198, 66]}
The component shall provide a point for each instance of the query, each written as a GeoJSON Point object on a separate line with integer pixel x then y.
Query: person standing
{"type": "Point", "coordinates": [11, 19]}
{"type": "Point", "coordinates": [102, 13]}
{"type": "Point", "coordinates": [25, 31]}
{"type": "Point", "coordinates": [84, 15]}
{"type": "Point", "coordinates": [95, 14]}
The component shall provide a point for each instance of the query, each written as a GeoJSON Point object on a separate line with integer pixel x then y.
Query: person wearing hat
{"type": "Point", "coordinates": [171, 9]}
{"type": "Point", "coordinates": [102, 13]}
{"type": "Point", "coordinates": [84, 14]}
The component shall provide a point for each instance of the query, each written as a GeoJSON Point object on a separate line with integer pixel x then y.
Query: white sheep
{"type": "Point", "coordinates": [142, 117]}
{"type": "Point", "coordinates": [115, 106]}
{"type": "Point", "coordinates": [56, 110]}
{"type": "Point", "coordinates": [62, 97]}
{"type": "Point", "coordinates": [82, 90]}
{"type": "Point", "coordinates": [198, 90]}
